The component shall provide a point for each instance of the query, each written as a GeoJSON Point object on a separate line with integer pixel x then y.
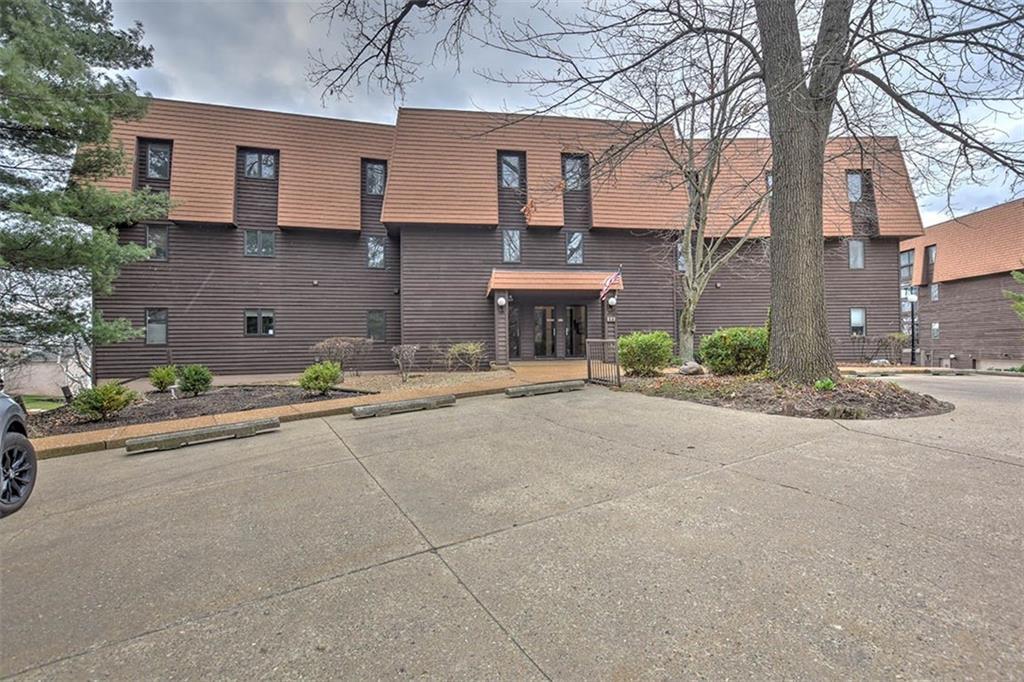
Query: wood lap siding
{"type": "Point", "coordinates": [975, 320]}
{"type": "Point", "coordinates": [207, 284]}
{"type": "Point", "coordinates": [445, 271]}
{"type": "Point", "coordinates": [255, 198]}
{"type": "Point", "coordinates": [745, 294]}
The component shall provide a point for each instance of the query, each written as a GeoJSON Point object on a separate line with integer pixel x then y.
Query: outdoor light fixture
{"type": "Point", "coordinates": [501, 301]}
{"type": "Point", "coordinates": [612, 301]}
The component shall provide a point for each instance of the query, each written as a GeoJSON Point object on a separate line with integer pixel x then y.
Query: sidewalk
{"type": "Point", "coordinates": [103, 439]}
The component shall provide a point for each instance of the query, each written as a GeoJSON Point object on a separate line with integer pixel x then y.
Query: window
{"type": "Point", "coordinates": [854, 186]}
{"type": "Point", "coordinates": [575, 172]}
{"type": "Point", "coordinates": [858, 322]}
{"type": "Point", "coordinates": [510, 252]}
{"type": "Point", "coordinates": [374, 177]}
{"type": "Point", "coordinates": [158, 160]}
{"type": "Point", "coordinates": [156, 239]}
{"type": "Point", "coordinates": [680, 257]}
{"type": "Point", "coordinates": [906, 267]}
{"type": "Point", "coordinates": [156, 326]}
{"type": "Point", "coordinates": [376, 325]}
{"type": "Point", "coordinates": [259, 243]}
{"type": "Point", "coordinates": [574, 248]}
{"type": "Point", "coordinates": [260, 165]}
{"type": "Point", "coordinates": [934, 290]}
{"type": "Point", "coordinates": [856, 255]}
{"type": "Point", "coordinates": [375, 252]}
{"type": "Point", "coordinates": [511, 176]}
{"type": "Point", "coordinates": [935, 330]}
{"type": "Point", "coordinates": [768, 180]}
{"type": "Point", "coordinates": [259, 322]}
{"type": "Point", "coordinates": [929, 253]}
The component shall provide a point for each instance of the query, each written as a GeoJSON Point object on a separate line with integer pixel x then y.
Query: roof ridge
{"type": "Point", "coordinates": [214, 105]}
{"type": "Point", "coordinates": [960, 218]}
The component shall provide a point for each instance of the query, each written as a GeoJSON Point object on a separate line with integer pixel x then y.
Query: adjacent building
{"type": "Point", "coordinates": [454, 226]}
{"type": "Point", "coordinates": [959, 270]}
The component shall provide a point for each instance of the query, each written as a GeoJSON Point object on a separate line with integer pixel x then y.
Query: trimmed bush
{"type": "Point", "coordinates": [164, 377]}
{"type": "Point", "coordinates": [645, 354]}
{"type": "Point", "coordinates": [195, 379]}
{"type": "Point", "coordinates": [103, 401]}
{"type": "Point", "coordinates": [466, 355]}
{"type": "Point", "coordinates": [736, 350]}
{"type": "Point", "coordinates": [321, 377]}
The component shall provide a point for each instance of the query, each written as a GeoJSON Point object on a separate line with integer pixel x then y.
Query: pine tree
{"type": "Point", "coordinates": [59, 94]}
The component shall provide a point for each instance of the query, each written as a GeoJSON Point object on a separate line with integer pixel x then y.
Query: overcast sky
{"type": "Point", "coordinates": [255, 53]}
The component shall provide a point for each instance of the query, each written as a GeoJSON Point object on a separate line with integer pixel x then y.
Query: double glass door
{"type": "Point", "coordinates": [546, 326]}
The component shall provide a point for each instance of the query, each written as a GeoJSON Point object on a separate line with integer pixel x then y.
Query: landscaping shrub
{"type": "Point", "coordinates": [195, 379]}
{"type": "Point", "coordinates": [466, 355]}
{"type": "Point", "coordinates": [321, 377]}
{"type": "Point", "coordinates": [826, 384]}
{"type": "Point", "coordinates": [347, 351]}
{"type": "Point", "coordinates": [736, 350]}
{"type": "Point", "coordinates": [103, 401]}
{"type": "Point", "coordinates": [645, 353]}
{"type": "Point", "coordinates": [404, 356]}
{"type": "Point", "coordinates": [164, 377]}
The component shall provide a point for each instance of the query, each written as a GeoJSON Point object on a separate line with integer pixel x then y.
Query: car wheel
{"type": "Point", "coordinates": [17, 473]}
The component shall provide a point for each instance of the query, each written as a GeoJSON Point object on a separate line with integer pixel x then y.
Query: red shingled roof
{"type": "Point", "coordinates": [982, 243]}
{"type": "Point", "coordinates": [549, 280]}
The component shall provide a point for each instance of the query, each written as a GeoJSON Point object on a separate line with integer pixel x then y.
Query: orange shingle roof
{"type": "Point", "coordinates": [443, 172]}
{"type": "Point", "coordinates": [549, 280]}
{"type": "Point", "coordinates": [319, 170]}
{"type": "Point", "coordinates": [982, 243]}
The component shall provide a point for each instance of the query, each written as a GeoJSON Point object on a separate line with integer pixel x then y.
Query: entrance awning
{"type": "Point", "coordinates": [551, 280]}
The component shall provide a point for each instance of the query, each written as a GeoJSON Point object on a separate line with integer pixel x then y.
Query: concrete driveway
{"type": "Point", "coordinates": [569, 536]}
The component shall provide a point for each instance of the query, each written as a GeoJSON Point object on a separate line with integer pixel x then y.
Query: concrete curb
{"type": "Point", "coordinates": [82, 442]}
{"type": "Point", "coordinates": [400, 406]}
{"type": "Point", "coordinates": [547, 387]}
{"type": "Point", "coordinates": [934, 372]}
{"type": "Point", "coordinates": [178, 439]}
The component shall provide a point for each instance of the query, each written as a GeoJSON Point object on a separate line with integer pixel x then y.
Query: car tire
{"type": "Point", "coordinates": [18, 474]}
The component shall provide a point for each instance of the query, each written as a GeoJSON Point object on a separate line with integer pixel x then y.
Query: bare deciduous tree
{"type": "Point", "coordinates": [939, 74]}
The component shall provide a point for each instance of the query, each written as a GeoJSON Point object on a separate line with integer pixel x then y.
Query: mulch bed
{"type": "Point", "coordinates": [154, 407]}
{"type": "Point", "coordinates": [851, 398]}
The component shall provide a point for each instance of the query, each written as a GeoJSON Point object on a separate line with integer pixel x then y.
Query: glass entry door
{"type": "Point", "coordinates": [575, 331]}
{"type": "Point", "coordinates": [544, 331]}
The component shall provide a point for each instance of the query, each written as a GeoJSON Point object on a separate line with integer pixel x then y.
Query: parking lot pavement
{"type": "Point", "coordinates": [590, 534]}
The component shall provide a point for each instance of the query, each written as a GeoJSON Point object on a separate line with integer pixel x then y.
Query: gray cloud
{"type": "Point", "coordinates": [255, 53]}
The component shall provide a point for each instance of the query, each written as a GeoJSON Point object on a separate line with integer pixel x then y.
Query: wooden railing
{"type": "Point", "coordinates": [603, 362]}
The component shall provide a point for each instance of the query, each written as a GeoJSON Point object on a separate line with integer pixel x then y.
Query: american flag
{"type": "Point", "coordinates": [610, 281]}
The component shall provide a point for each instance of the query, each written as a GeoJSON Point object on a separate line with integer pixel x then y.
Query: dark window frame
{"type": "Point", "coordinates": [864, 322]}
{"type": "Point", "coordinates": [862, 184]}
{"type": "Point", "coordinates": [907, 267]}
{"type": "Point", "coordinates": [261, 156]}
{"type": "Point", "coordinates": [149, 160]}
{"type": "Point", "coordinates": [506, 233]}
{"type": "Point", "coordinates": [850, 252]}
{"type": "Point", "coordinates": [167, 242]}
{"type": "Point", "coordinates": [146, 322]}
{"type": "Point", "coordinates": [583, 177]}
{"type": "Point", "coordinates": [933, 291]}
{"type": "Point", "coordinates": [569, 252]}
{"type": "Point", "coordinates": [930, 254]}
{"type": "Point", "coordinates": [935, 331]}
{"type": "Point", "coordinates": [371, 263]}
{"type": "Point", "coordinates": [259, 243]}
{"type": "Point", "coordinates": [366, 164]}
{"type": "Point", "coordinates": [680, 257]}
{"type": "Point", "coordinates": [370, 314]}
{"type": "Point", "coordinates": [260, 314]}
{"type": "Point", "coordinates": [520, 159]}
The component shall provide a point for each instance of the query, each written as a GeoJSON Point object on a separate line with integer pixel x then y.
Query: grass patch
{"type": "Point", "coordinates": [38, 402]}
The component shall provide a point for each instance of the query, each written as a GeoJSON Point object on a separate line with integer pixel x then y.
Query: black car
{"type": "Point", "coordinates": [18, 462]}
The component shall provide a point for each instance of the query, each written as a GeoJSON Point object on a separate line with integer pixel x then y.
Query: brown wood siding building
{"type": "Point", "coordinates": [977, 327]}
{"type": "Point", "coordinates": [740, 293]}
{"type": "Point", "coordinates": [435, 205]}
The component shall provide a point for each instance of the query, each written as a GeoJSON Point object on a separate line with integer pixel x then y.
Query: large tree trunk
{"type": "Point", "coordinates": [686, 333]}
{"type": "Point", "coordinates": [801, 349]}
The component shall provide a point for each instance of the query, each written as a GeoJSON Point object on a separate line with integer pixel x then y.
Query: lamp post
{"type": "Point", "coordinates": [912, 299]}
